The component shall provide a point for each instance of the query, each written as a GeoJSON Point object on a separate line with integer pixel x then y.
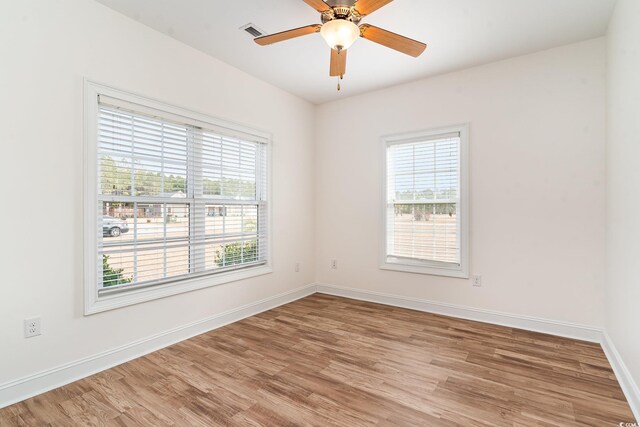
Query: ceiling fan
{"type": "Point", "coordinates": [339, 28]}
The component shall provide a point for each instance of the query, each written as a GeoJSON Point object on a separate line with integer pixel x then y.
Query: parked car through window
{"type": "Point", "coordinates": [113, 227]}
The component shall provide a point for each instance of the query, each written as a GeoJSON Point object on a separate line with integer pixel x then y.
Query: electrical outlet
{"type": "Point", "coordinates": [32, 327]}
{"type": "Point", "coordinates": [477, 281]}
{"type": "Point", "coordinates": [334, 264]}
{"type": "Point", "coordinates": [297, 267]}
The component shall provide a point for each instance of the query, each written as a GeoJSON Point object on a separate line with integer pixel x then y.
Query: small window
{"type": "Point", "coordinates": [179, 201]}
{"type": "Point", "coordinates": [426, 210]}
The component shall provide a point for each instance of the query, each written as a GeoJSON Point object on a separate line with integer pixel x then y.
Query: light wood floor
{"type": "Point", "coordinates": [332, 361]}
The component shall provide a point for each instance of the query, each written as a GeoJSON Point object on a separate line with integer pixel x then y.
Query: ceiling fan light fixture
{"type": "Point", "coordinates": [340, 33]}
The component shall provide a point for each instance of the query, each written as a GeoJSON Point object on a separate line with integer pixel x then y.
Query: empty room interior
{"type": "Point", "coordinates": [320, 213]}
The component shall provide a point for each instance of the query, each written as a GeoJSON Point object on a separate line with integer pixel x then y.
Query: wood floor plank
{"type": "Point", "coordinates": [325, 360]}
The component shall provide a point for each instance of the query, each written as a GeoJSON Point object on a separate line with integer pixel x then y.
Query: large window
{"type": "Point", "coordinates": [179, 200]}
{"type": "Point", "coordinates": [425, 211]}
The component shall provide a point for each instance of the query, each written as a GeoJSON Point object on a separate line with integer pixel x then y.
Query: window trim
{"type": "Point", "coordinates": [434, 268]}
{"type": "Point", "coordinates": [94, 303]}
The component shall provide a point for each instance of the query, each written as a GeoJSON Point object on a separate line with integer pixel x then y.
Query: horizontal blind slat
{"type": "Point", "coordinates": [183, 200]}
{"type": "Point", "coordinates": [127, 106]}
{"type": "Point", "coordinates": [422, 199]}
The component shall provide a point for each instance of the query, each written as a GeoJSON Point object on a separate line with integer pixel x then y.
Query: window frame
{"type": "Point", "coordinates": [95, 303]}
{"type": "Point", "coordinates": [435, 268]}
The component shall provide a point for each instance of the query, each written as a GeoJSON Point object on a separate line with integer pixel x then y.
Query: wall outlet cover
{"type": "Point", "coordinates": [32, 327]}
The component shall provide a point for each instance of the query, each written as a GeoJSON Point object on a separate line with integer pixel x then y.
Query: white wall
{"type": "Point", "coordinates": [623, 182]}
{"type": "Point", "coordinates": [537, 146]}
{"type": "Point", "coordinates": [46, 49]}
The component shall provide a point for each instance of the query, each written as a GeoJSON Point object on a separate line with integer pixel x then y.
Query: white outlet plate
{"type": "Point", "coordinates": [297, 267]}
{"type": "Point", "coordinates": [334, 264]}
{"type": "Point", "coordinates": [32, 327]}
{"type": "Point", "coordinates": [477, 281]}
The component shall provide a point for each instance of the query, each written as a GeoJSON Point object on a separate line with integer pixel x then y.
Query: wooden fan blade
{"type": "Point", "coordinates": [365, 7]}
{"type": "Point", "coordinates": [338, 63]}
{"type": "Point", "coordinates": [392, 40]}
{"type": "Point", "coordinates": [318, 5]}
{"type": "Point", "coordinates": [286, 35]}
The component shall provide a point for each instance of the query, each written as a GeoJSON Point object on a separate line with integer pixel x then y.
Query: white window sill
{"type": "Point", "coordinates": [110, 302]}
{"type": "Point", "coordinates": [426, 269]}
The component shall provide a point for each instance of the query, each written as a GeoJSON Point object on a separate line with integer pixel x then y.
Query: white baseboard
{"type": "Point", "coordinates": [24, 388]}
{"type": "Point", "coordinates": [563, 329]}
{"type": "Point", "coordinates": [629, 386]}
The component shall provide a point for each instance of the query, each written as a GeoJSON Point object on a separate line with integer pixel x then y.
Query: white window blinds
{"type": "Point", "coordinates": [177, 198]}
{"type": "Point", "coordinates": [423, 196]}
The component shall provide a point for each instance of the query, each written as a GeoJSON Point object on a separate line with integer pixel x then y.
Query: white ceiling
{"type": "Point", "coordinates": [459, 34]}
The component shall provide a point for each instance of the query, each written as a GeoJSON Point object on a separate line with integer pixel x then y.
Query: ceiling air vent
{"type": "Point", "coordinates": [253, 30]}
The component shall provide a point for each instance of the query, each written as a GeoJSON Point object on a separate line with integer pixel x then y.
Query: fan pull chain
{"type": "Point", "coordinates": [341, 77]}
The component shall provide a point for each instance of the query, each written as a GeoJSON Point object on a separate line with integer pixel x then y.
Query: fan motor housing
{"type": "Point", "coordinates": [341, 11]}
{"type": "Point", "coordinates": [346, 3]}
